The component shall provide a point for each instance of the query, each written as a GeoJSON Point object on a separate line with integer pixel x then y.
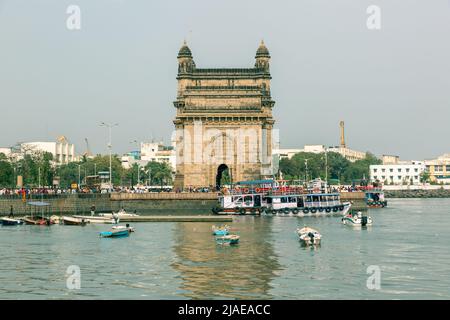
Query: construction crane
{"type": "Point", "coordinates": [87, 153]}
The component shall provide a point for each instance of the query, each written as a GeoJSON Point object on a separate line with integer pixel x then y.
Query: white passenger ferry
{"type": "Point", "coordinates": [277, 197]}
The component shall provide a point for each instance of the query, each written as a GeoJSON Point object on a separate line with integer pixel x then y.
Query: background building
{"type": "Point", "coordinates": [389, 159]}
{"type": "Point", "coordinates": [399, 173]}
{"type": "Point", "coordinates": [349, 154]}
{"type": "Point", "coordinates": [62, 150]}
{"type": "Point", "coordinates": [289, 153]}
{"type": "Point", "coordinates": [5, 151]}
{"type": "Point", "coordinates": [439, 169]}
{"type": "Point", "coordinates": [150, 151]}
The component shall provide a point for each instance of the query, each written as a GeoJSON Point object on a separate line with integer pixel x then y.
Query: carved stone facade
{"type": "Point", "coordinates": [223, 121]}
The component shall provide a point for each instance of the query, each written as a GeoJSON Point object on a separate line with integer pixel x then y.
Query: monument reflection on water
{"type": "Point", "coordinates": [211, 270]}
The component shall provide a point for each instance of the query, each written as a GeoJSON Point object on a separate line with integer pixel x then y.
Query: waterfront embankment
{"type": "Point", "coordinates": [437, 193]}
{"type": "Point", "coordinates": [152, 203]}
{"type": "Point", "coordinates": [143, 203]}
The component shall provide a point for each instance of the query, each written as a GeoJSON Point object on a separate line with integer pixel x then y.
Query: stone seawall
{"type": "Point", "coordinates": [146, 203]}
{"type": "Point", "coordinates": [80, 204]}
{"type": "Point", "coordinates": [440, 193]}
{"type": "Point", "coordinates": [59, 204]}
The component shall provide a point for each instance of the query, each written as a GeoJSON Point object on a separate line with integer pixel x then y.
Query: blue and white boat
{"type": "Point", "coordinates": [11, 222]}
{"type": "Point", "coordinates": [357, 220]}
{"type": "Point", "coordinates": [220, 231]}
{"type": "Point", "coordinates": [116, 232]}
{"type": "Point", "coordinates": [277, 197]}
{"type": "Point", "coordinates": [228, 239]}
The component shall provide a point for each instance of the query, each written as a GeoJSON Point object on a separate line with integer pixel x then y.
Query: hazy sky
{"type": "Point", "coordinates": [391, 86]}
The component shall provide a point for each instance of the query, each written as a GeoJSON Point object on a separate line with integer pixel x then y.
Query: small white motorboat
{"type": "Point", "coordinates": [228, 239]}
{"type": "Point", "coordinates": [11, 222]}
{"type": "Point", "coordinates": [309, 236]}
{"type": "Point", "coordinates": [121, 214]}
{"type": "Point", "coordinates": [357, 220]}
{"type": "Point", "coordinates": [126, 227]}
{"type": "Point", "coordinates": [72, 221]}
{"type": "Point", "coordinates": [92, 219]}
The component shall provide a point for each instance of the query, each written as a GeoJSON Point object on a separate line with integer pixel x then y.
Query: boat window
{"type": "Point", "coordinates": [292, 199]}
{"type": "Point", "coordinates": [308, 199]}
{"type": "Point", "coordinates": [315, 198]}
{"type": "Point", "coordinates": [237, 199]}
{"type": "Point", "coordinates": [248, 199]}
{"type": "Point", "coordinates": [269, 200]}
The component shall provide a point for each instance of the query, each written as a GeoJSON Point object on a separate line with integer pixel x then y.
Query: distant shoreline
{"type": "Point", "coordinates": [440, 193]}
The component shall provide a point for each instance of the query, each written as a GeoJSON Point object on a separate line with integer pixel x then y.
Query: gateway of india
{"type": "Point", "coordinates": [223, 122]}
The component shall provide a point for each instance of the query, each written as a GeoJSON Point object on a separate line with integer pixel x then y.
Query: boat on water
{"type": "Point", "coordinates": [100, 219]}
{"type": "Point", "coordinates": [357, 219]}
{"type": "Point", "coordinates": [37, 221]}
{"type": "Point", "coordinates": [375, 198]}
{"type": "Point", "coordinates": [127, 227]}
{"type": "Point", "coordinates": [11, 222]}
{"type": "Point", "coordinates": [121, 214]}
{"type": "Point", "coordinates": [116, 232]}
{"type": "Point", "coordinates": [309, 236]}
{"type": "Point", "coordinates": [56, 219]}
{"type": "Point", "coordinates": [221, 230]}
{"type": "Point", "coordinates": [73, 221]}
{"type": "Point", "coordinates": [39, 214]}
{"type": "Point", "coordinates": [228, 239]}
{"type": "Point", "coordinates": [277, 197]}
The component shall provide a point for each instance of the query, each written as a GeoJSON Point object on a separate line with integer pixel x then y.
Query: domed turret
{"type": "Point", "coordinates": [262, 57]}
{"type": "Point", "coordinates": [184, 52]}
{"type": "Point", "coordinates": [262, 51]}
{"type": "Point", "coordinates": [186, 63]}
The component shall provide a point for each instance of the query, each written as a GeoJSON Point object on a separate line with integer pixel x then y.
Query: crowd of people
{"type": "Point", "coordinates": [128, 189]}
{"type": "Point", "coordinates": [118, 189]}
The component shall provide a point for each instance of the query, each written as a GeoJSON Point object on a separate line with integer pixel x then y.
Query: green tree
{"type": "Point", "coordinates": [6, 172]}
{"type": "Point", "coordinates": [31, 164]}
{"type": "Point", "coordinates": [160, 173]}
{"type": "Point", "coordinates": [425, 177]}
{"type": "Point", "coordinates": [338, 167]}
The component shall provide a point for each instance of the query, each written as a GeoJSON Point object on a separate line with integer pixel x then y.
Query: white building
{"type": "Point", "coordinates": [5, 151]}
{"type": "Point", "coordinates": [63, 152]}
{"type": "Point", "coordinates": [151, 151]}
{"type": "Point", "coordinates": [439, 169]}
{"type": "Point", "coordinates": [289, 153]}
{"type": "Point", "coordinates": [401, 173]}
{"type": "Point", "coordinates": [349, 154]}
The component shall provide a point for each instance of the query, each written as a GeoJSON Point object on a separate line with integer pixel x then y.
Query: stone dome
{"type": "Point", "coordinates": [185, 51]}
{"type": "Point", "coordinates": [262, 51]}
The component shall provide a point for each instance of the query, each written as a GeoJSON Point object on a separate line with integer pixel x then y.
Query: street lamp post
{"type": "Point", "coordinates": [149, 176]}
{"type": "Point", "coordinates": [109, 126]}
{"type": "Point", "coordinates": [138, 164]}
{"type": "Point", "coordinates": [139, 174]}
{"type": "Point", "coordinates": [79, 176]}
{"type": "Point", "coordinates": [306, 170]}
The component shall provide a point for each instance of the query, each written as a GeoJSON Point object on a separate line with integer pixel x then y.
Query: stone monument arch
{"type": "Point", "coordinates": [225, 112]}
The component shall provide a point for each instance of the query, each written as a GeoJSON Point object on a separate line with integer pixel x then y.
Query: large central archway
{"type": "Point", "coordinates": [223, 176]}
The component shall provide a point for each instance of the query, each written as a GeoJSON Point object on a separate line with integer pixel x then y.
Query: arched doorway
{"type": "Point", "coordinates": [223, 176]}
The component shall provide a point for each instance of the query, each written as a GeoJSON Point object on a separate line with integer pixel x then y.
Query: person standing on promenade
{"type": "Point", "coordinates": [11, 212]}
